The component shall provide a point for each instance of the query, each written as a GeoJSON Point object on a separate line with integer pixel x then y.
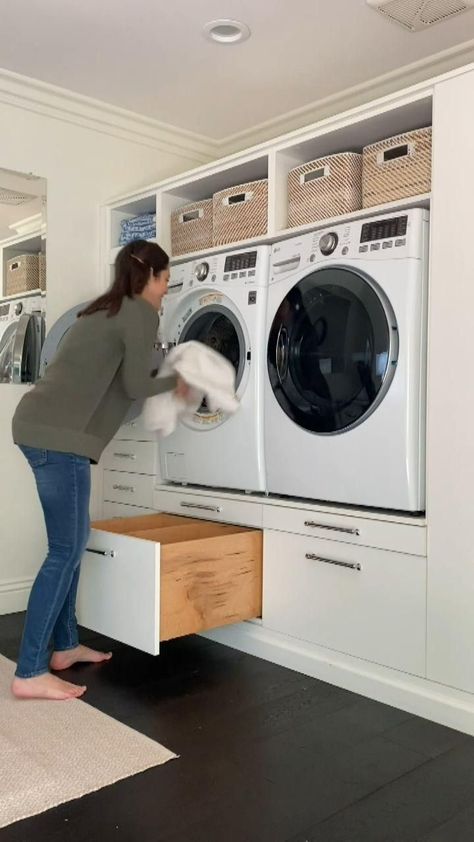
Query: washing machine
{"type": "Point", "coordinates": [221, 301]}
{"type": "Point", "coordinates": [346, 363]}
{"type": "Point", "coordinates": [21, 338]}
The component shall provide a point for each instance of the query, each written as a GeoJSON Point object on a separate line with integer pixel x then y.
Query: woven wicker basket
{"type": "Point", "coordinates": [241, 213]}
{"type": "Point", "coordinates": [42, 271]}
{"type": "Point", "coordinates": [22, 274]}
{"type": "Point", "coordinates": [191, 228]}
{"type": "Point", "coordinates": [325, 187]}
{"type": "Point", "coordinates": [397, 167]}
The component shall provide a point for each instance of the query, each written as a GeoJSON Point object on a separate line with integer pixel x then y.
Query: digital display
{"type": "Point", "coordinates": [383, 229]}
{"type": "Point", "coordinates": [238, 262]}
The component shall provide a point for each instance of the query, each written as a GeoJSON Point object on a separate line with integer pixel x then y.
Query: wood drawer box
{"type": "Point", "coordinates": [157, 577]}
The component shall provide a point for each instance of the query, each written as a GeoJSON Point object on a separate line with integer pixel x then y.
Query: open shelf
{"type": "Point", "coordinates": [128, 210]}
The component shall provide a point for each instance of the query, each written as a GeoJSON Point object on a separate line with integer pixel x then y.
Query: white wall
{"type": "Point", "coordinates": [84, 168]}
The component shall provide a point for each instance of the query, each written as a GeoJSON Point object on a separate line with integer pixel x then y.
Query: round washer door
{"type": "Point", "coordinates": [215, 321]}
{"type": "Point", "coordinates": [332, 350]}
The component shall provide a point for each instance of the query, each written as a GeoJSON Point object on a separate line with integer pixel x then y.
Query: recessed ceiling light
{"type": "Point", "coordinates": [225, 31]}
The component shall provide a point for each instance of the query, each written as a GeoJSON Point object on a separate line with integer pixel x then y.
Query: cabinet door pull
{"type": "Point", "coordinates": [200, 506]}
{"type": "Point", "coordinates": [349, 564]}
{"type": "Point", "coordinates": [125, 455]}
{"type": "Point", "coordinates": [124, 488]}
{"type": "Point", "coordinates": [109, 553]}
{"type": "Point", "coordinates": [346, 529]}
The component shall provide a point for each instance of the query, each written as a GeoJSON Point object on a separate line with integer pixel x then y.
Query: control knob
{"type": "Point", "coordinates": [328, 243]}
{"type": "Point", "coordinates": [18, 309]}
{"type": "Point", "coordinates": [201, 271]}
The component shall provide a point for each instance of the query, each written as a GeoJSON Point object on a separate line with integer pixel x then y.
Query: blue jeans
{"type": "Point", "coordinates": [63, 482]}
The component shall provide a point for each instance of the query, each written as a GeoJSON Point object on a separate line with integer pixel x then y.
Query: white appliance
{"type": "Point", "coordinates": [21, 338]}
{"type": "Point", "coordinates": [221, 301]}
{"type": "Point", "coordinates": [346, 359]}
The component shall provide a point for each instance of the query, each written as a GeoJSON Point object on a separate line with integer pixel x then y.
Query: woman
{"type": "Point", "coordinates": [62, 425]}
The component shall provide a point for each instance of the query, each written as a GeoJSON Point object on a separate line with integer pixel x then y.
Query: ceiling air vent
{"type": "Point", "coordinates": [415, 15]}
{"type": "Point", "coordinates": [14, 197]}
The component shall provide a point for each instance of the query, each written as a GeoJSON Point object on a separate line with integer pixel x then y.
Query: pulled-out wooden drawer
{"type": "Point", "coordinates": [157, 577]}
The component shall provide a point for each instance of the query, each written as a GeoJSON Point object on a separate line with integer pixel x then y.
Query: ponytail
{"type": "Point", "coordinates": [132, 272]}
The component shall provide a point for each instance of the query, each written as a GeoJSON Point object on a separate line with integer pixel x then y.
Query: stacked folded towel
{"type": "Point", "coordinates": [138, 228]}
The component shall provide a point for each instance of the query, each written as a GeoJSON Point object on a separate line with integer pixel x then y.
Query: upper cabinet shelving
{"type": "Point", "coordinates": [274, 161]}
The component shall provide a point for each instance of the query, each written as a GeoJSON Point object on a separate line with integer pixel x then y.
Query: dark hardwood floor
{"type": "Point", "coordinates": [266, 755]}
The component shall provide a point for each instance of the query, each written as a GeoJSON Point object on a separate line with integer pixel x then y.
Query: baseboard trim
{"type": "Point", "coordinates": [14, 595]}
{"type": "Point", "coordinates": [418, 696]}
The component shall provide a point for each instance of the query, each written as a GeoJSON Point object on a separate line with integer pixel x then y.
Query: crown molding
{"type": "Point", "coordinates": [67, 106]}
{"type": "Point", "coordinates": [405, 77]}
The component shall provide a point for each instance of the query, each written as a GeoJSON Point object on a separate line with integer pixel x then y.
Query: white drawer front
{"type": "Point", "coordinates": [120, 510]}
{"type": "Point", "coordinates": [134, 489]}
{"type": "Point", "coordinates": [138, 457]}
{"type": "Point", "coordinates": [135, 431]}
{"type": "Point", "coordinates": [400, 537]}
{"type": "Point", "coordinates": [362, 601]}
{"type": "Point", "coordinates": [127, 571]}
{"type": "Point", "coordinates": [210, 508]}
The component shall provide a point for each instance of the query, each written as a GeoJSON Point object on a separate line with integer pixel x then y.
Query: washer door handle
{"type": "Point", "coordinates": [282, 353]}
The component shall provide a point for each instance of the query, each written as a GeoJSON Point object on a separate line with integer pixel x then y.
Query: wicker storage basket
{"type": "Point", "coordinates": [191, 228]}
{"type": "Point", "coordinates": [241, 213]}
{"type": "Point", "coordinates": [325, 187]}
{"type": "Point", "coordinates": [42, 271]}
{"type": "Point", "coordinates": [22, 274]}
{"type": "Point", "coordinates": [397, 167]}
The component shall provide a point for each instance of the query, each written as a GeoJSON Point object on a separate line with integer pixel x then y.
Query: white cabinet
{"type": "Point", "coordinates": [362, 601]}
{"type": "Point", "coordinates": [450, 436]}
{"type": "Point", "coordinates": [134, 489]}
{"type": "Point", "coordinates": [137, 457]}
{"type": "Point", "coordinates": [218, 507]}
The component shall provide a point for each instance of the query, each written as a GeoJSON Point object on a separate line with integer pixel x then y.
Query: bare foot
{"type": "Point", "coordinates": [46, 686]}
{"type": "Point", "coordinates": [81, 654]}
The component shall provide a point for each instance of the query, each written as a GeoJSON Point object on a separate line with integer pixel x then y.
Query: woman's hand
{"type": "Point", "coordinates": [182, 390]}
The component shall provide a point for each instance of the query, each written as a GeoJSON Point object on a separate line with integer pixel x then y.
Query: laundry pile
{"type": "Point", "coordinates": [211, 377]}
{"type": "Point", "coordinates": [138, 228]}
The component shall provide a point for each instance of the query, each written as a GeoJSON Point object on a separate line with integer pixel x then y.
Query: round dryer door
{"type": "Point", "coordinates": [332, 350]}
{"type": "Point", "coordinates": [218, 325]}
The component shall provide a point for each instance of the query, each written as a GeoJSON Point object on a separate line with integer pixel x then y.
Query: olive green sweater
{"type": "Point", "coordinates": [102, 365]}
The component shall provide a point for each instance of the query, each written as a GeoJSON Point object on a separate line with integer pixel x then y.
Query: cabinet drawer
{"type": "Point", "coordinates": [156, 577]}
{"type": "Point", "coordinates": [121, 510]}
{"type": "Point", "coordinates": [212, 508]}
{"type": "Point", "coordinates": [138, 457]}
{"type": "Point", "coordinates": [388, 535]}
{"type": "Point", "coordinates": [363, 601]}
{"type": "Point", "coordinates": [134, 489]}
{"type": "Point", "coordinates": [135, 431]}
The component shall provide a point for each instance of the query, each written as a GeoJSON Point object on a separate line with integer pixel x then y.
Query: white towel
{"type": "Point", "coordinates": [209, 374]}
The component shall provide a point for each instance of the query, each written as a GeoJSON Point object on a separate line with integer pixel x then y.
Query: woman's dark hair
{"type": "Point", "coordinates": [132, 272]}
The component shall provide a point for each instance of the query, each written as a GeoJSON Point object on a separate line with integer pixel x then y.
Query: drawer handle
{"type": "Point", "coordinates": [346, 529]}
{"type": "Point", "coordinates": [125, 455]}
{"type": "Point", "coordinates": [124, 488]}
{"type": "Point", "coordinates": [201, 506]}
{"type": "Point", "coordinates": [109, 553]}
{"type": "Point", "coordinates": [350, 565]}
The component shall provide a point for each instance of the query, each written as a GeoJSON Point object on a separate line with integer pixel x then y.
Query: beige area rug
{"type": "Point", "coordinates": [52, 752]}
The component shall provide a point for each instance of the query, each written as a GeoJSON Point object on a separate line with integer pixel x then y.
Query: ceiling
{"type": "Point", "coordinates": [149, 56]}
